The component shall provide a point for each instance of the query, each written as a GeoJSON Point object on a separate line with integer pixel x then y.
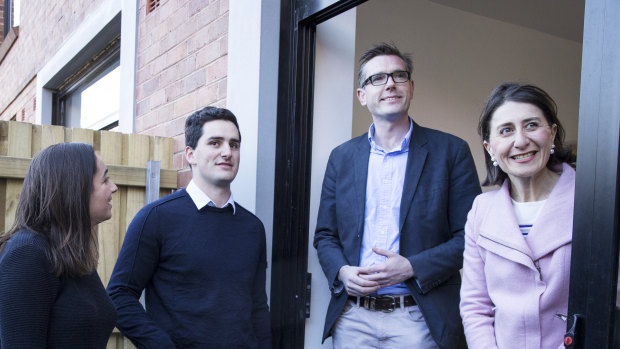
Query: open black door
{"type": "Point", "coordinates": [298, 23]}
{"type": "Point", "coordinates": [594, 266]}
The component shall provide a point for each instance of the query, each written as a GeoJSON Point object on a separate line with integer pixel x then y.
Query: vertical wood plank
{"type": "Point", "coordinates": [13, 188]}
{"type": "Point", "coordinates": [163, 149]}
{"type": "Point", "coordinates": [52, 134]}
{"type": "Point", "coordinates": [83, 135]}
{"type": "Point", "coordinates": [109, 231]}
{"type": "Point", "coordinates": [3, 212]}
{"type": "Point", "coordinates": [35, 145]}
{"type": "Point", "coordinates": [4, 137]}
{"type": "Point", "coordinates": [20, 139]}
{"type": "Point", "coordinates": [19, 145]}
{"type": "Point", "coordinates": [137, 153]}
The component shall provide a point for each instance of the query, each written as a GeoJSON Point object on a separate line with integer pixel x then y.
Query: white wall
{"type": "Point", "coordinates": [459, 57]}
{"type": "Point", "coordinates": [332, 121]}
{"type": "Point", "coordinates": [253, 42]}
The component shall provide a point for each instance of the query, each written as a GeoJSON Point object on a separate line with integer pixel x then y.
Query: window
{"type": "Point", "coordinates": [90, 97]}
{"type": "Point", "coordinates": [10, 10]}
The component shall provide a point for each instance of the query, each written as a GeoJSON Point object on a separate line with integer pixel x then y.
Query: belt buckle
{"type": "Point", "coordinates": [371, 303]}
{"type": "Point", "coordinates": [392, 304]}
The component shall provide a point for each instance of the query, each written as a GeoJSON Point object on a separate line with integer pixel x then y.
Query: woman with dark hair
{"type": "Point", "coordinates": [50, 293]}
{"type": "Point", "coordinates": [518, 238]}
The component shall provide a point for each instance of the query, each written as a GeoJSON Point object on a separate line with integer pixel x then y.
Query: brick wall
{"type": "Point", "coordinates": [44, 27]}
{"type": "Point", "coordinates": [181, 61]}
{"type": "Point", "coordinates": [182, 65]}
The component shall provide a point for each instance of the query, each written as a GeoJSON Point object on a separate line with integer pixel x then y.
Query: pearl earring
{"type": "Point", "coordinates": [493, 160]}
{"type": "Point", "coordinates": [552, 149]}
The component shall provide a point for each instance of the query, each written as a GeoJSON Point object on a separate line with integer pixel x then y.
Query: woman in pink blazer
{"type": "Point", "coordinates": [518, 238]}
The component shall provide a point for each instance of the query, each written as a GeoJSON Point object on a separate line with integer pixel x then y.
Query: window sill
{"type": "Point", "coordinates": [8, 42]}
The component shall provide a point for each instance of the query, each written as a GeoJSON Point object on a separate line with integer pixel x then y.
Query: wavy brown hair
{"type": "Point", "coordinates": [54, 202]}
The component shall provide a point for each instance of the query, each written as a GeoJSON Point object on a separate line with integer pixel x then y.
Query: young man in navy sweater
{"type": "Point", "coordinates": [199, 256]}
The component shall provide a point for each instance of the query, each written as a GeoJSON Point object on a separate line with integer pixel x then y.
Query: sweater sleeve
{"type": "Point", "coordinates": [477, 309]}
{"type": "Point", "coordinates": [260, 309]}
{"type": "Point", "coordinates": [134, 268]}
{"type": "Point", "coordinates": [27, 293]}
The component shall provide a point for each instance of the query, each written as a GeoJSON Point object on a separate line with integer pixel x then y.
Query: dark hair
{"type": "Point", "coordinates": [194, 123]}
{"type": "Point", "coordinates": [382, 49]}
{"type": "Point", "coordinates": [514, 92]}
{"type": "Point", "coordinates": [54, 202]}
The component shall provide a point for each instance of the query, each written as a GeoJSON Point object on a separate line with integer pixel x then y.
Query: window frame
{"type": "Point", "coordinates": [100, 64]}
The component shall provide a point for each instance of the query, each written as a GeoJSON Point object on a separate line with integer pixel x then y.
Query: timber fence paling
{"type": "Point", "coordinates": [125, 155]}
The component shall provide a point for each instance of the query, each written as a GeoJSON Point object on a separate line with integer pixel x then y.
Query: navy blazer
{"type": "Point", "coordinates": [440, 185]}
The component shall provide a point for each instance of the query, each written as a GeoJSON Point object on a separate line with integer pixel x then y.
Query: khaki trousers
{"type": "Point", "coordinates": [360, 328]}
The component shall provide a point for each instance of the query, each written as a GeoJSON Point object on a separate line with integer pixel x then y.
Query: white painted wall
{"type": "Point", "coordinates": [459, 57]}
{"type": "Point", "coordinates": [253, 45]}
{"type": "Point", "coordinates": [332, 122]}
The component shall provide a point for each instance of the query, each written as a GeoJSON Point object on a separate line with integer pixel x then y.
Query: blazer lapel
{"type": "Point", "coordinates": [360, 162]}
{"type": "Point", "coordinates": [415, 164]}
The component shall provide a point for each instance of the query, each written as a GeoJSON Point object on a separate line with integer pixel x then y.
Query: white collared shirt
{"type": "Point", "coordinates": [201, 199]}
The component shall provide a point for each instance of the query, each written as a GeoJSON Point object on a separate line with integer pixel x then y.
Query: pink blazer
{"type": "Point", "coordinates": [512, 288]}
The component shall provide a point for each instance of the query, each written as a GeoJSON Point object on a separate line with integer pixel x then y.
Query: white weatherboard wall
{"type": "Point", "coordinates": [333, 111]}
{"type": "Point", "coordinates": [459, 57]}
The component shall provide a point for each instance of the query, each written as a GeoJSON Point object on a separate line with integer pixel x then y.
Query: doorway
{"type": "Point", "coordinates": [459, 56]}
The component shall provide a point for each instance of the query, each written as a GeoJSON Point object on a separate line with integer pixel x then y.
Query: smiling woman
{"type": "Point", "coordinates": [518, 238]}
{"type": "Point", "coordinates": [50, 290]}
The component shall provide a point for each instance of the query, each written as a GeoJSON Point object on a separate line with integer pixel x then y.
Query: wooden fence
{"type": "Point", "coordinates": [126, 157]}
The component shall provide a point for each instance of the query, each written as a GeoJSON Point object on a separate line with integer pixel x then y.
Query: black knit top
{"type": "Point", "coordinates": [40, 310]}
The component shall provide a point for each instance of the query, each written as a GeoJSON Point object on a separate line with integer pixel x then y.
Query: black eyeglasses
{"type": "Point", "coordinates": [398, 76]}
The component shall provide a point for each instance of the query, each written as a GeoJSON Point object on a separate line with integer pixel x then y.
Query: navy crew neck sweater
{"type": "Point", "coordinates": [204, 276]}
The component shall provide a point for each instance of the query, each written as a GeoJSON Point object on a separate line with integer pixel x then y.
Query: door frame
{"type": "Point", "coordinates": [595, 233]}
{"type": "Point", "coordinates": [594, 266]}
{"type": "Point", "coordinates": [290, 295]}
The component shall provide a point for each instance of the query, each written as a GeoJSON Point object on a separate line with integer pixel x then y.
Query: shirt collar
{"type": "Point", "coordinates": [404, 145]}
{"type": "Point", "coordinates": [201, 199]}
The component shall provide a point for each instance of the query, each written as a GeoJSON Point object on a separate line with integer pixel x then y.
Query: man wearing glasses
{"type": "Point", "coordinates": [389, 232]}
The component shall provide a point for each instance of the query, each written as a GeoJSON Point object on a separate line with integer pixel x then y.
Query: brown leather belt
{"type": "Point", "coordinates": [383, 303]}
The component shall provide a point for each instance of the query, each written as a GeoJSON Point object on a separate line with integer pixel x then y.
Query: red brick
{"type": "Point", "coordinates": [177, 53]}
{"type": "Point", "coordinates": [217, 69]}
{"type": "Point", "coordinates": [158, 98]}
{"type": "Point", "coordinates": [179, 143]}
{"type": "Point", "coordinates": [174, 91]}
{"type": "Point", "coordinates": [185, 104]}
{"type": "Point", "coordinates": [196, 6]}
{"type": "Point", "coordinates": [206, 95]}
{"type": "Point", "coordinates": [194, 81]}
